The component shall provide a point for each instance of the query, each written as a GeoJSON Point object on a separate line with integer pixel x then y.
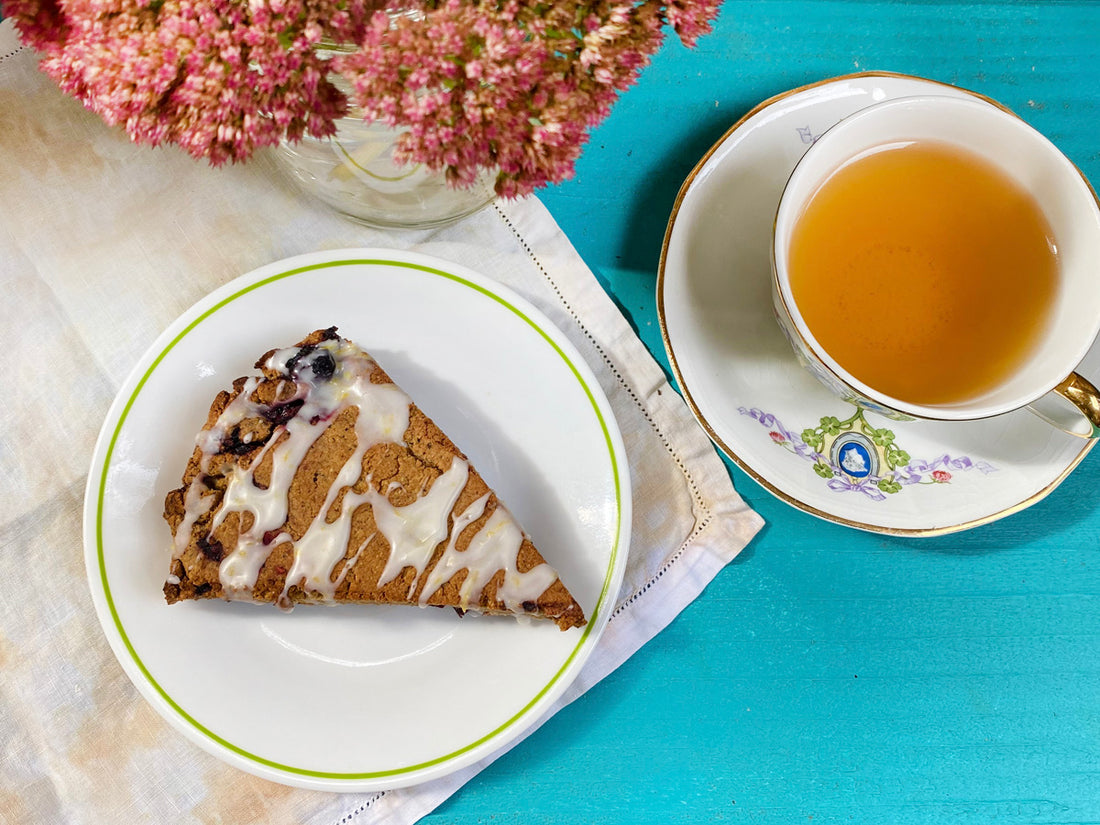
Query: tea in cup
{"type": "Point", "coordinates": [936, 257]}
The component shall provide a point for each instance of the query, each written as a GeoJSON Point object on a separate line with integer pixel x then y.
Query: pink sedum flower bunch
{"type": "Point", "coordinates": [507, 85]}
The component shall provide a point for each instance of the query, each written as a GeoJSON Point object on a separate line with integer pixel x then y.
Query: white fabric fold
{"type": "Point", "coordinates": [102, 245]}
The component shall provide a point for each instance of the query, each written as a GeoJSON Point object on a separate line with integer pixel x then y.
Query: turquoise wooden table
{"type": "Point", "coordinates": [832, 675]}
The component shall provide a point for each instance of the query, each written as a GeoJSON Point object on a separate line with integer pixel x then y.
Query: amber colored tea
{"type": "Point", "coordinates": [924, 271]}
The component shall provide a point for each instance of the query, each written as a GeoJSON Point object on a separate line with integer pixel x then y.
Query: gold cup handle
{"type": "Point", "coordinates": [1083, 395]}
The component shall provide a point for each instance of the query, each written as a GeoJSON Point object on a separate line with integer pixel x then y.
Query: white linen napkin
{"type": "Point", "coordinates": [102, 245]}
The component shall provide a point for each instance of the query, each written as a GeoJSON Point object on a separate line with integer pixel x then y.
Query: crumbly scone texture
{"type": "Point", "coordinates": [401, 472]}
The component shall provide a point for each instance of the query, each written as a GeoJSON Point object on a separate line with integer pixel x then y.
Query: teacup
{"type": "Point", "coordinates": [936, 257]}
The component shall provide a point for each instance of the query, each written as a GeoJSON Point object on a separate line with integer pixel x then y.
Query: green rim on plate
{"type": "Point", "coordinates": [211, 735]}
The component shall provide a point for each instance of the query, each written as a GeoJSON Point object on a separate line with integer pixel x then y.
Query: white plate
{"type": "Point", "coordinates": [359, 697]}
{"type": "Point", "coordinates": [742, 381]}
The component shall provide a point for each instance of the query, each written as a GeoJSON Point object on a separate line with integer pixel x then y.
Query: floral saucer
{"type": "Point", "coordinates": [742, 381]}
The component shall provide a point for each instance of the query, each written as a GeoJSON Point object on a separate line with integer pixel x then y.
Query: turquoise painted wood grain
{"type": "Point", "coordinates": [829, 675]}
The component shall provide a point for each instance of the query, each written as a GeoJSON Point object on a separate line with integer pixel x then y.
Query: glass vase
{"type": "Point", "coordinates": [355, 173]}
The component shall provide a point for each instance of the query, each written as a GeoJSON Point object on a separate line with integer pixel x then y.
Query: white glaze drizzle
{"type": "Point", "coordinates": [208, 442]}
{"type": "Point", "coordinates": [413, 531]}
{"type": "Point", "coordinates": [416, 529]}
{"type": "Point", "coordinates": [240, 568]}
{"type": "Point", "coordinates": [383, 416]}
{"type": "Point", "coordinates": [494, 547]}
{"type": "Point", "coordinates": [450, 562]}
{"type": "Point", "coordinates": [194, 505]}
{"type": "Point", "coordinates": [325, 543]}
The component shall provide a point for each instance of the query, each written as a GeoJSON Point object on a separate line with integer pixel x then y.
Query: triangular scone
{"type": "Point", "coordinates": [320, 481]}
